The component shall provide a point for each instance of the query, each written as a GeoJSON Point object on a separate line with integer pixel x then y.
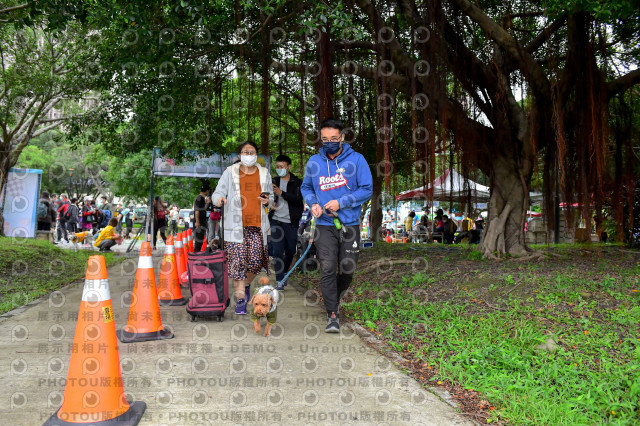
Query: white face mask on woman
{"type": "Point", "coordinates": [249, 160]}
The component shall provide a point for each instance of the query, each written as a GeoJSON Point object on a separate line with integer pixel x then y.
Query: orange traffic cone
{"type": "Point", "coordinates": [190, 236]}
{"type": "Point", "coordinates": [185, 247]}
{"type": "Point", "coordinates": [94, 393]}
{"type": "Point", "coordinates": [181, 259]}
{"type": "Point", "coordinates": [169, 293]}
{"type": "Point", "coordinates": [144, 322]}
{"type": "Point", "coordinates": [204, 244]}
{"type": "Point", "coordinates": [184, 277]}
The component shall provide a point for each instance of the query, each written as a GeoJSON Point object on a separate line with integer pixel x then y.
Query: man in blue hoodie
{"type": "Point", "coordinates": [336, 184]}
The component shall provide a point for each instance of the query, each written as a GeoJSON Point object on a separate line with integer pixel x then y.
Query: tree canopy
{"type": "Point", "coordinates": [506, 90]}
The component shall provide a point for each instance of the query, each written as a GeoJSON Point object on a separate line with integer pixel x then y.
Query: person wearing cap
{"type": "Point", "coordinates": [245, 190]}
{"type": "Point", "coordinates": [336, 183]}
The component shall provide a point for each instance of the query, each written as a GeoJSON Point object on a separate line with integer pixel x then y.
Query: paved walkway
{"type": "Point", "coordinates": [215, 373]}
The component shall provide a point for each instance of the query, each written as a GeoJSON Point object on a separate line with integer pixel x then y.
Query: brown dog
{"type": "Point", "coordinates": [264, 305]}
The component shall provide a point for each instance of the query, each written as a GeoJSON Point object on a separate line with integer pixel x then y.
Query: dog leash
{"type": "Point", "coordinates": [336, 219]}
{"type": "Point", "coordinates": [337, 222]}
{"type": "Point", "coordinates": [312, 231]}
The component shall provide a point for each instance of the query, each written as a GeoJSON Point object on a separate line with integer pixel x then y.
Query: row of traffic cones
{"type": "Point", "coordinates": [184, 244]}
{"type": "Point", "coordinates": [89, 401]}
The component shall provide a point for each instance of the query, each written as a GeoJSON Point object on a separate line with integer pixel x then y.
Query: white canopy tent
{"type": "Point", "coordinates": [450, 184]}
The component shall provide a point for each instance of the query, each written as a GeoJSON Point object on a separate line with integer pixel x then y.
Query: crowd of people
{"type": "Point", "coordinates": [65, 215]}
{"type": "Point", "coordinates": [443, 228]}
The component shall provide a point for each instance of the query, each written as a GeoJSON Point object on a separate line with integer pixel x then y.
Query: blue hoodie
{"type": "Point", "coordinates": [346, 178]}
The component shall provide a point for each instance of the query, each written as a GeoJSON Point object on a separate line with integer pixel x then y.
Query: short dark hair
{"type": "Point", "coordinates": [284, 158]}
{"type": "Point", "coordinates": [74, 200]}
{"type": "Point", "coordinates": [245, 143]}
{"type": "Point", "coordinates": [412, 214]}
{"type": "Point", "coordinates": [113, 221]}
{"type": "Point", "coordinates": [332, 123]}
{"type": "Point", "coordinates": [45, 194]}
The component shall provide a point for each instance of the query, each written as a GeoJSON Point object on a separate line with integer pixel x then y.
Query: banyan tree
{"type": "Point", "coordinates": [513, 87]}
{"type": "Point", "coordinates": [509, 89]}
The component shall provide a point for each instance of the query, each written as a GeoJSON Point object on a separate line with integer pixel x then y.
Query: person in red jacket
{"type": "Point", "coordinates": [62, 221]}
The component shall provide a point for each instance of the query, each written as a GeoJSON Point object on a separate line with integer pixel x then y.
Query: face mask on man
{"type": "Point", "coordinates": [281, 172]}
{"type": "Point", "coordinates": [249, 160]}
{"type": "Point", "coordinates": [331, 147]}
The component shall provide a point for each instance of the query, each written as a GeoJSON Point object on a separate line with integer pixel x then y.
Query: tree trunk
{"type": "Point", "coordinates": [264, 130]}
{"type": "Point", "coordinates": [301, 119]}
{"type": "Point", "coordinates": [504, 229]}
{"type": "Point", "coordinates": [324, 81]}
{"type": "Point", "coordinates": [634, 237]}
{"type": "Point", "coordinates": [5, 165]}
{"type": "Point", "coordinates": [375, 221]}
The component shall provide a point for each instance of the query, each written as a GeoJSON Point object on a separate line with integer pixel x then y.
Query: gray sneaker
{"type": "Point", "coordinates": [333, 325]}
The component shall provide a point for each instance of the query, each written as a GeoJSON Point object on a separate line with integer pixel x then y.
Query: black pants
{"type": "Point", "coordinates": [173, 227]}
{"type": "Point", "coordinates": [284, 237]}
{"type": "Point", "coordinates": [107, 244]}
{"type": "Point", "coordinates": [158, 226]}
{"type": "Point", "coordinates": [198, 237]}
{"type": "Point", "coordinates": [61, 232]}
{"type": "Point", "coordinates": [128, 228]}
{"type": "Point", "coordinates": [338, 253]}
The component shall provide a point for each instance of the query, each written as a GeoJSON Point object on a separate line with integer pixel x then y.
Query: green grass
{"type": "Point", "coordinates": [33, 268]}
{"type": "Point", "coordinates": [589, 302]}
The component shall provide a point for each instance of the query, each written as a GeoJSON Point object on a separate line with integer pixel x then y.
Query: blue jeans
{"type": "Point", "coordinates": [283, 245]}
